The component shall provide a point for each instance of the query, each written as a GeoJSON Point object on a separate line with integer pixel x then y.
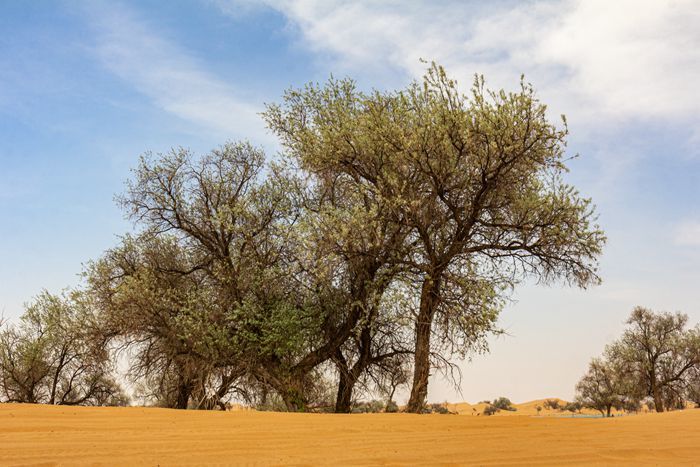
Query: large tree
{"type": "Point", "coordinates": [476, 179]}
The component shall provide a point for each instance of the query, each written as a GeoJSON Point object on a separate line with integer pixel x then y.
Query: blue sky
{"type": "Point", "coordinates": [86, 87]}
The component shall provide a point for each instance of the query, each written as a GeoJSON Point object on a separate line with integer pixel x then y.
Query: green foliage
{"type": "Point", "coordinates": [393, 227]}
{"type": "Point", "coordinates": [656, 357]}
{"type": "Point", "coordinates": [373, 406]}
{"type": "Point", "coordinates": [436, 408]}
{"type": "Point", "coordinates": [53, 356]}
{"type": "Point", "coordinates": [475, 179]}
{"type": "Point", "coordinates": [503, 403]}
{"type": "Point", "coordinates": [573, 407]}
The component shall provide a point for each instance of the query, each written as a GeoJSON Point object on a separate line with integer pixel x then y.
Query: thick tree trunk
{"type": "Point", "coordinates": [429, 300]}
{"type": "Point", "coordinates": [183, 395]}
{"type": "Point", "coordinates": [343, 401]}
{"type": "Point", "coordinates": [347, 377]}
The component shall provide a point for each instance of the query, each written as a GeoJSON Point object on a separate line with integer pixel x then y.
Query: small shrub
{"type": "Point", "coordinates": [391, 407]}
{"type": "Point", "coordinates": [490, 409]}
{"type": "Point", "coordinates": [373, 406]}
{"type": "Point", "coordinates": [436, 408]}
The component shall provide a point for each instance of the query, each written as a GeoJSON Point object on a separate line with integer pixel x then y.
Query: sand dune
{"type": "Point", "coordinates": [50, 435]}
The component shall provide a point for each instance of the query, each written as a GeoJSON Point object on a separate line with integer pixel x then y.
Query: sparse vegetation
{"type": "Point", "coordinates": [503, 403]}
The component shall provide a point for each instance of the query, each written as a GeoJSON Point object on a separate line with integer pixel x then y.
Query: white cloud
{"type": "Point", "coordinates": [687, 233]}
{"type": "Point", "coordinates": [175, 80]}
{"type": "Point", "coordinates": [592, 59]}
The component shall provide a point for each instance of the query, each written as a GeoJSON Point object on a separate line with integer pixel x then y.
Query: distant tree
{"type": "Point", "coordinates": [573, 407]}
{"type": "Point", "coordinates": [539, 409]}
{"type": "Point", "coordinates": [552, 404]}
{"type": "Point", "coordinates": [658, 352]}
{"type": "Point", "coordinates": [52, 356]}
{"type": "Point", "coordinates": [490, 409]}
{"type": "Point", "coordinates": [603, 387]}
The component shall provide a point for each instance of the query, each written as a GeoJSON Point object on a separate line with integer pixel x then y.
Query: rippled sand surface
{"type": "Point", "coordinates": [52, 435]}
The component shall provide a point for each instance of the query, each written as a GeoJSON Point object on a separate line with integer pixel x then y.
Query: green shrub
{"type": "Point", "coordinates": [503, 403]}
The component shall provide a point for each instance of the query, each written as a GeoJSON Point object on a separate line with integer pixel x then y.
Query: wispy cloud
{"type": "Point", "coordinates": [174, 79]}
{"type": "Point", "coordinates": [593, 59]}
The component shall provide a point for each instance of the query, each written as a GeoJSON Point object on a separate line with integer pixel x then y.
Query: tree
{"type": "Point", "coordinates": [693, 386]}
{"type": "Point", "coordinates": [476, 180]}
{"type": "Point", "coordinates": [603, 387]}
{"type": "Point", "coordinates": [573, 407]}
{"type": "Point", "coordinates": [52, 357]}
{"type": "Point", "coordinates": [154, 303]}
{"type": "Point", "coordinates": [552, 404]}
{"type": "Point", "coordinates": [294, 270]}
{"type": "Point", "coordinates": [659, 352]}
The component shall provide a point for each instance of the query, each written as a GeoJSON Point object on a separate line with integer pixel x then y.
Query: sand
{"type": "Point", "coordinates": [54, 435]}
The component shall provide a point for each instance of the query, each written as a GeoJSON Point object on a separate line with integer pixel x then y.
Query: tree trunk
{"type": "Point", "coordinates": [183, 395]}
{"type": "Point", "coordinates": [658, 398]}
{"type": "Point", "coordinates": [343, 401]}
{"type": "Point", "coordinates": [609, 411]}
{"type": "Point", "coordinates": [421, 368]}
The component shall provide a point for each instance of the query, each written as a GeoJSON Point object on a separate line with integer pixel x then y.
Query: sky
{"type": "Point", "coordinates": [86, 87]}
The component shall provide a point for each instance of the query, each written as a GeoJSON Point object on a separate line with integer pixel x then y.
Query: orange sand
{"type": "Point", "coordinates": [50, 435]}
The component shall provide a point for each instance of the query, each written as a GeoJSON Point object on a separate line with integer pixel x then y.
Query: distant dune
{"type": "Point", "coordinates": [51, 435]}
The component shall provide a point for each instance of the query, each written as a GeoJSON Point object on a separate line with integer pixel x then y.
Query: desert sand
{"type": "Point", "coordinates": [55, 435]}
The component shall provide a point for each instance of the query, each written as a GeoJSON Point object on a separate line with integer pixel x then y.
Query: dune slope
{"type": "Point", "coordinates": [46, 435]}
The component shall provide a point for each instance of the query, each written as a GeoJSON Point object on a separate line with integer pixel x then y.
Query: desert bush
{"type": "Point", "coordinates": [503, 403]}
{"type": "Point", "coordinates": [373, 406]}
{"type": "Point", "coordinates": [490, 409]}
{"type": "Point", "coordinates": [391, 407]}
{"type": "Point", "coordinates": [552, 404]}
